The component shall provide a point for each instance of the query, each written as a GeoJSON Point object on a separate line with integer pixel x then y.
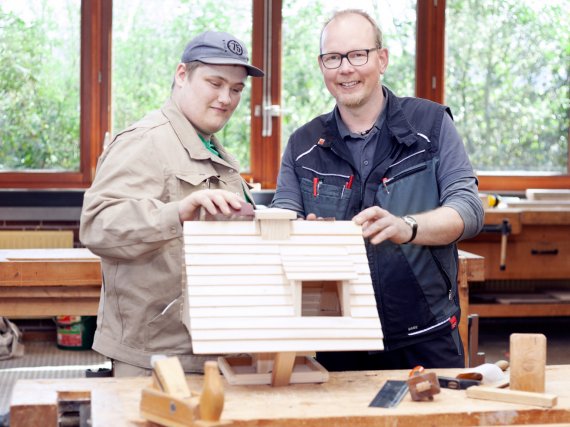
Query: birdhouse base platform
{"type": "Point", "coordinates": [277, 370]}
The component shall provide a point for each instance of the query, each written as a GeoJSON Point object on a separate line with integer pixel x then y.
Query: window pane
{"type": "Point", "coordinates": [148, 40]}
{"type": "Point", "coordinates": [507, 83]}
{"type": "Point", "coordinates": [304, 95]}
{"type": "Point", "coordinates": [39, 85]}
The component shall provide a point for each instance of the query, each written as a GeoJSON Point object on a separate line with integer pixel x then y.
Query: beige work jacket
{"type": "Point", "coordinates": [130, 219]}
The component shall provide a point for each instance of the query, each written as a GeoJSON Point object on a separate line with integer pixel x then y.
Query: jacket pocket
{"type": "Point", "coordinates": [402, 174]}
{"type": "Point", "coordinates": [166, 333]}
{"type": "Point", "coordinates": [204, 180]}
{"type": "Point", "coordinates": [403, 302]}
{"type": "Point", "coordinates": [325, 200]}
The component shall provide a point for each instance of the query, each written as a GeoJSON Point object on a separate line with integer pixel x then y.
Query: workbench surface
{"type": "Point", "coordinates": [343, 401]}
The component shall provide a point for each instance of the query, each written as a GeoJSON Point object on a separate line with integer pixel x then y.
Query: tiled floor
{"type": "Point", "coordinates": [45, 360]}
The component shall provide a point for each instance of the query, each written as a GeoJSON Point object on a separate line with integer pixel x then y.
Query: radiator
{"type": "Point", "coordinates": [36, 239]}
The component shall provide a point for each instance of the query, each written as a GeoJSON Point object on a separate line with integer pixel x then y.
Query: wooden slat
{"type": "Point", "coordinates": [292, 241]}
{"type": "Point", "coordinates": [547, 194]}
{"type": "Point", "coordinates": [334, 228]}
{"type": "Point", "coordinates": [314, 250]}
{"type": "Point", "coordinates": [363, 311]}
{"type": "Point", "coordinates": [233, 259]}
{"type": "Point", "coordinates": [520, 310]}
{"type": "Point", "coordinates": [334, 323]}
{"type": "Point", "coordinates": [254, 346]}
{"type": "Point", "coordinates": [230, 312]}
{"type": "Point", "coordinates": [238, 270]}
{"type": "Point", "coordinates": [512, 396]}
{"type": "Point", "coordinates": [552, 216]}
{"type": "Point", "coordinates": [55, 254]}
{"type": "Point", "coordinates": [49, 291]}
{"type": "Point", "coordinates": [194, 229]}
{"type": "Point", "coordinates": [306, 228]}
{"type": "Point", "coordinates": [47, 307]}
{"type": "Point", "coordinates": [235, 301]}
{"type": "Point", "coordinates": [284, 334]}
{"type": "Point", "coordinates": [321, 274]}
{"type": "Point", "coordinates": [361, 289]}
{"type": "Point", "coordinates": [20, 239]}
{"type": "Point", "coordinates": [362, 301]}
{"type": "Point", "coordinates": [267, 248]}
{"type": "Point", "coordinates": [275, 280]}
{"type": "Point", "coordinates": [48, 273]}
{"type": "Point", "coordinates": [221, 291]}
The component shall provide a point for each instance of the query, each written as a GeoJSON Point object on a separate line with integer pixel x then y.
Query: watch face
{"type": "Point", "coordinates": [410, 221]}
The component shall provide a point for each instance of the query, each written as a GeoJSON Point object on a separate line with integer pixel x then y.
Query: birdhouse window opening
{"type": "Point", "coordinates": [321, 298]}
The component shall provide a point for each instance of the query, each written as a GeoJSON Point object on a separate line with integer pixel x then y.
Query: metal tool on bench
{"type": "Point", "coordinates": [391, 394]}
{"type": "Point", "coordinates": [488, 373]}
{"type": "Point", "coordinates": [421, 386]}
{"type": "Point", "coordinates": [456, 383]}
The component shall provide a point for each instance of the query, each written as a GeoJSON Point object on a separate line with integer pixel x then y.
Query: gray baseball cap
{"type": "Point", "coordinates": [218, 48]}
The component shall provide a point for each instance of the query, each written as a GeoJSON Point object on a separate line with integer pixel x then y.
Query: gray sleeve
{"type": "Point", "coordinates": [457, 180]}
{"type": "Point", "coordinates": [288, 192]}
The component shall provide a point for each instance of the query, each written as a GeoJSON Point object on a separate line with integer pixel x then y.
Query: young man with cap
{"type": "Point", "coordinates": [161, 171]}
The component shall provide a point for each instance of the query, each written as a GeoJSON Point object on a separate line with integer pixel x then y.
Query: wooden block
{"type": "Point", "coordinates": [263, 362]}
{"type": "Point", "coordinates": [245, 213]}
{"type": "Point", "coordinates": [212, 397]}
{"type": "Point", "coordinates": [275, 213]}
{"type": "Point", "coordinates": [512, 396]}
{"type": "Point", "coordinates": [527, 362]}
{"type": "Point", "coordinates": [547, 194]}
{"type": "Point", "coordinates": [171, 378]}
{"type": "Point", "coordinates": [275, 229]}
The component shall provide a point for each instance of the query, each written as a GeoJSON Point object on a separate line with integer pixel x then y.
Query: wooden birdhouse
{"type": "Point", "coordinates": [275, 287]}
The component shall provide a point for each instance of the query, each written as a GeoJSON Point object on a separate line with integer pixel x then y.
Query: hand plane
{"type": "Point", "coordinates": [170, 402]}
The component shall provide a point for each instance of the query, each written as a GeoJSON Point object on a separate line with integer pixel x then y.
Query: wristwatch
{"type": "Point", "coordinates": [413, 225]}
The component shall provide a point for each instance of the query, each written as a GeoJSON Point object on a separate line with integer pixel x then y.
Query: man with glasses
{"type": "Point", "coordinates": [398, 167]}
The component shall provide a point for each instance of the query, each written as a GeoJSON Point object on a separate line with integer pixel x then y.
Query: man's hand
{"type": "Point", "coordinates": [378, 225]}
{"type": "Point", "coordinates": [214, 201]}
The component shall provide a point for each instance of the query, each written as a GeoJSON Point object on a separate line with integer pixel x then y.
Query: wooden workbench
{"type": "Point", "coordinates": [343, 401]}
{"type": "Point", "coordinates": [49, 282]}
{"type": "Point", "coordinates": [538, 254]}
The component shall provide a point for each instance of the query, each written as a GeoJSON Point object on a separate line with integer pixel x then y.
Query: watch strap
{"type": "Point", "coordinates": [413, 225]}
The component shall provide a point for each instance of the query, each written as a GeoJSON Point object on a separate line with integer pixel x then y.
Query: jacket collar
{"type": "Point", "coordinates": [189, 138]}
{"type": "Point", "coordinates": [395, 120]}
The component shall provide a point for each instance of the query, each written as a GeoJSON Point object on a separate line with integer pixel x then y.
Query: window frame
{"type": "Point", "coordinates": [430, 84]}
{"type": "Point", "coordinates": [95, 98]}
{"type": "Point", "coordinates": [95, 21]}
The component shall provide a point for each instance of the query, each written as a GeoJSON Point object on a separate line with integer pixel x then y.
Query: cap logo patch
{"type": "Point", "coordinates": [235, 47]}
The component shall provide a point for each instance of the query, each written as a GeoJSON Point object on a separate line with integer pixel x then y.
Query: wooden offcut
{"type": "Point", "coordinates": [512, 396]}
{"type": "Point", "coordinates": [527, 362]}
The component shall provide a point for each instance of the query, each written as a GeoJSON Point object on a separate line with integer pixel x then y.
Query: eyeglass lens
{"type": "Point", "coordinates": [354, 57]}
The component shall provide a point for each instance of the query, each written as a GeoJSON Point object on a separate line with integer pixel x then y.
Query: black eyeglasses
{"type": "Point", "coordinates": [355, 57]}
